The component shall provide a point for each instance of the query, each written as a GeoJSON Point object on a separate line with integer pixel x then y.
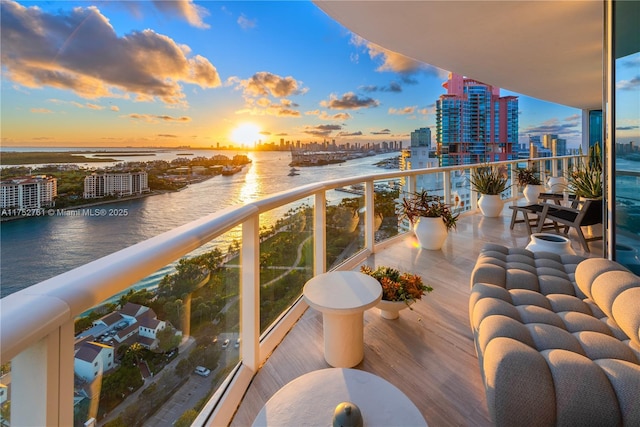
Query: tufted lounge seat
{"type": "Point", "coordinates": [557, 338]}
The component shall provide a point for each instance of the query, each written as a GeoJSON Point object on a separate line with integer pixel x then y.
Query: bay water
{"type": "Point", "coordinates": [35, 249]}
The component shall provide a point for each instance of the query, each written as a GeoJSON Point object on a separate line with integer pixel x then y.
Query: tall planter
{"type": "Point", "coordinates": [490, 205]}
{"type": "Point", "coordinates": [557, 184]}
{"type": "Point", "coordinates": [531, 192]}
{"type": "Point", "coordinates": [430, 232]}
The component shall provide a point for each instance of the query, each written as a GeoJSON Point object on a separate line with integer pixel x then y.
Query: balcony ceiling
{"type": "Point", "coordinates": [550, 50]}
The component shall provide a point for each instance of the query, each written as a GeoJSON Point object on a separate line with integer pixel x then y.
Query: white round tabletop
{"type": "Point", "coordinates": [342, 292]}
{"type": "Point", "coordinates": [310, 400]}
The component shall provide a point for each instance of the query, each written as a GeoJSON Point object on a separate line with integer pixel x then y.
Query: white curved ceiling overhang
{"type": "Point", "coordinates": [550, 50]}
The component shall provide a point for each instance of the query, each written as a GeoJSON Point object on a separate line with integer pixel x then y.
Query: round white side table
{"type": "Point", "coordinates": [310, 400]}
{"type": "Point", "coordinates": [342, 297]}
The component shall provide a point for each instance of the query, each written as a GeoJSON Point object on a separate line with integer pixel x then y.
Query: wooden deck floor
{"type": "Point", "coordinates": [428, 353]}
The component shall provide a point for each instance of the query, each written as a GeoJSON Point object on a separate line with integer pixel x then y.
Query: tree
{"type": "Point", "coordinates": [212, 260]}
{"type": "Point", "coordinates": [133, 354]}
{"type": "Point", "coordinates": [5, 412]}
{"type": "Point", "coordinates": [167, 339]}
{"type": "Point", "coordinates": [183, 368]}
{"type": "Point", "coordinates": [121, 351]}
{"type": "Point", "coordinates": [124, 299]}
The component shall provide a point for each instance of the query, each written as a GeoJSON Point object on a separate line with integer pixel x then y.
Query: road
{"type": "Point", "coordinates": [195, 388]}
{"type": "Point", "coordinates": [184, 349]}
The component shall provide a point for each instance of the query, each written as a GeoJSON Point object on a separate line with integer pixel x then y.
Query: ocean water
{"type": "Point", "coordinates": [35, 249]}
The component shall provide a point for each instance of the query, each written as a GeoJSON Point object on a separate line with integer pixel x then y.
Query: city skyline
{"type": "Point", "coordinates": [114, 74]}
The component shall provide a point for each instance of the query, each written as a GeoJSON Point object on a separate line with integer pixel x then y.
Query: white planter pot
{"type": "Point", "coordinates": [544, 242]}
{"type": "Point", "coordinates": [430, 232]}
{"type": "Point", "coordinates": [557, 184]}
{"type": "Point", "coordinates": [391, 309]}
{"type": "Point", "coordinates": [532, 192]}
{"type": "Point", "coordinates": [490, 205]}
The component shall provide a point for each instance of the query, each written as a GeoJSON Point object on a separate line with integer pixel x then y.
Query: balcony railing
{"type": "Point", "coordinates": [38, 324]}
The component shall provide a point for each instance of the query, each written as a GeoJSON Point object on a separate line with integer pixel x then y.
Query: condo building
{"type": "Point", "coordinates": [115, 184]}
{"type": "Point", "coordinates": [474, 124]}
{"type": "Point", "coordinates": [420, 155]}
{"type": "Point", "coordinates": [29, 192]}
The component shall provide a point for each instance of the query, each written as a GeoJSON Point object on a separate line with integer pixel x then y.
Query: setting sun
{"type": "Point", "coordinates": [246, 133]}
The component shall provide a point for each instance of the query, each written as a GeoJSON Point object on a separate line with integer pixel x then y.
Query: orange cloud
{"type": "Point", "coordinates": [402, 111]}
{"type": "Point", "coordinates": [185, 9]}
{"type": "Point", "coordinates": [264, 83]}
{"type": "Point", "coordinates": [154, 118]}
{"type": "Point", "coordinates": [78, 51]}
{"type": "Point", "coordinates": [326, 116]}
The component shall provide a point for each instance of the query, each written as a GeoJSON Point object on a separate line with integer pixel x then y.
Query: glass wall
{"type": "Point", "coordinates": [173, 334]}
{"type": "Point", "coordinates": [286, 258]}
{"type": "Point", "coordinates": [595, 127]}
{"type": "Point", "coordinates": [624, 131]}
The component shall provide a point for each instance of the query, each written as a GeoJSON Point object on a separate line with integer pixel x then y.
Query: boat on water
{"type": "Point", "coordinates": [230, 170]}
{"type": "Point", "coordinates": [293, 172]}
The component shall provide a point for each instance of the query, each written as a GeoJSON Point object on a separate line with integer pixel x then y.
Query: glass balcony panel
{"type": "Point", "coordinates": [172, 333]}
{"type": "Point", "coordinates": [286, 257]}
{"type": "Point", "coordinates": [345, 223]}
{"type": "Point", "coordinates": [387, 193]}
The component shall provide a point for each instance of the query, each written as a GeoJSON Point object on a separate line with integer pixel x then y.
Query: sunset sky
{"type": "Point", "coordinates": [160, 73]}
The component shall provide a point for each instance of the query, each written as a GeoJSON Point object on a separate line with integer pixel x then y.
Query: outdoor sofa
{"type": "Point", "coordinates": [557, 338]}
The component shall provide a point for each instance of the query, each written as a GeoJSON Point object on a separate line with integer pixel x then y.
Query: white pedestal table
{"type": "Point", "coordinates": [342, 297]}
{"type": "Point", "coordinates": [310, 400]}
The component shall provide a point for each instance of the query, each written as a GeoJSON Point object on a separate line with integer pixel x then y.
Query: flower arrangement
{"type": "Point", "coordinates": [488, 180]}
{"type": "Point", "coordinates": [398, 286]}
{"type": "Point", "coordinates": [422, 204]}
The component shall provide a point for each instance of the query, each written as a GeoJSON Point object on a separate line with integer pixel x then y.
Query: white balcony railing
{"type": "Point", "coordinates": [37, 323]}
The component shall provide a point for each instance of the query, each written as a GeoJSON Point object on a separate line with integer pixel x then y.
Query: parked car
{"type": "Point", "coordinates": [237, 344]}
{"type": "Point", "coordinates": [225, 344]}
{"type": "Point", "coordinates": [202, 371]}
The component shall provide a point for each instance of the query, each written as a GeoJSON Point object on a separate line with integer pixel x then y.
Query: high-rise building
{"type": "Point", "coordinates": [30, 192]}
{"type": "Point", "coordinates": [557, 146]}
{"type": "Point", "coordinates": [115, 184]}
{"type": "Point", "coordinates": [421, 138]}
{"type": "Point", "coordinates": [474, 124]}
{"type": "Point", "coordinates": [418, 156]}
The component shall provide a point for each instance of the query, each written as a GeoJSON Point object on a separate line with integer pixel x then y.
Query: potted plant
{"type": "Point", "coordinates": [585, 181]}
{"type": "Point", "coordinates": [530, 180]}
{"type": "Point", "coordinates": [430, 218]}
{"type": "Point", "coordinates": [490, 182]}
{"type": "Point", "coordinates": [399, 290]}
